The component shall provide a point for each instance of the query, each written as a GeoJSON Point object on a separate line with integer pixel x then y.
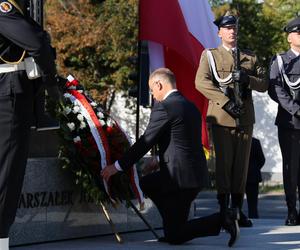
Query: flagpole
{"type": "Point", "coordinates": [137, 128]}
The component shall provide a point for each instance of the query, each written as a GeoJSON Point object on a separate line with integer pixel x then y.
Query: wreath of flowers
{"type": "Point", "coordinates": [90, 139]}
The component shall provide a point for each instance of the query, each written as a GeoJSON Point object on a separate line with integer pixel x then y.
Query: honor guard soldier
{"type": "Point", "coordinates": [231, 124]}
{"type": "Point", "coordinates": [285, 90]}
{"type": "Point", "coordinates": [25, 59]}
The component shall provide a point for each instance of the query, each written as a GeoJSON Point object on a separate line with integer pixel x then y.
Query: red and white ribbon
{"type": "Point", "coordinates": [98, 134]}
{"type": "Point", "coordinates": [96, 129]}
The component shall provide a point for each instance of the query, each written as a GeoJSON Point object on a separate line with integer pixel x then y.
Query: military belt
{"type": "Point", "coordinates": [6, 68]}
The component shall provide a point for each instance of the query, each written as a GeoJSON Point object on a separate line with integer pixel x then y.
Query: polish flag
{"type": "Point", "coordinates": [177, 32]}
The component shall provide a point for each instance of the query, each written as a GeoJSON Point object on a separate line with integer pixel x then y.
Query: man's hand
{"type": "Point", "coordinates": [108, 171]}
{"type": "Point", "coordinates": [233, 110]}
{"type": "Point", "coordinates": [150, 165]}
{"type": "Point", "coordinates": [297, 114]}
{"type": "Point", "coordinates": [242, 77]}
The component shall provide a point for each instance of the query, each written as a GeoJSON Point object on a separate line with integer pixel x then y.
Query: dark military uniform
{"type": "Point", "coordinates": [232, 144]}
{"type": "Point", "coordinates": [19, 35]}
{"type": "Point", "coordinates": [256, 162]}
{"type": "Point", "coordinates": [285, 91]}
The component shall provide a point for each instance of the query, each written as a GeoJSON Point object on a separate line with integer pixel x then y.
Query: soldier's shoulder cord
{"type": "Point", "coordinates": [16, 5]}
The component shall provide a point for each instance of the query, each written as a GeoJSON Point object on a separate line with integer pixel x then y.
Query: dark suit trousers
{"type": "Point", "coordinates": [174, 205]}
{"type": "Point", "coordinates": [289, 141]}
{"type": "Point", "coordinates": [15, 117]}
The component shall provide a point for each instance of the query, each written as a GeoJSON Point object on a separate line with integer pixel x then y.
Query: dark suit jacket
{"type": "Point", "coordinates": [175, 126]}
{"type": "Point", "coordinates": [279, 91]}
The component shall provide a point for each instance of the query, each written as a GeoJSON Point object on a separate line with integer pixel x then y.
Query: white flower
{"type": "Point", "coordinates": [71, 125]}
{"type": "Point", "coordinates": [82, 125]}
{"type": "Point", "coordinates": [80, 117]}
{"type": "Point", "coordinates": [93, 104]}
{"type": "Point", "coordinates": [76, 109]}
{"type": "Point", "coordinates": [77, 139]}
{"type": "Point", "coordinates": [67, 110]}
{"type": "Point", "coordinates": [102, 122]}
{"type": "Point", "coordinates": [110, 122]}
{"type": "Point", "coordinates": [100, 115]}
{"type": "Point", "coordinates": [67, 95]}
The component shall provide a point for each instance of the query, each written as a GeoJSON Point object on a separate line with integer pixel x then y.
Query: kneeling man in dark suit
{"type": "Point", "coordinates": [175, 127]}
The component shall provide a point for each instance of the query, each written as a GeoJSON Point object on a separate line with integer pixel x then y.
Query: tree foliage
{"type": "Point", "coordinates": [94, 41]}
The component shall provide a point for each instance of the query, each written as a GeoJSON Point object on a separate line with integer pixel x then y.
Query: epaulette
{"type": "Point", "coordinates": [211, 49]}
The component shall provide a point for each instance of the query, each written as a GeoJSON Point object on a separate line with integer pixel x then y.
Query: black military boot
{"type": "Point", "coordinates": [292, 217]}
{"type": "Point", "coordinates": [223, 200]}
{"type": "Point", "coordinates": [237, 202]}
{"type": "Point", "coordinates": [229, 219]}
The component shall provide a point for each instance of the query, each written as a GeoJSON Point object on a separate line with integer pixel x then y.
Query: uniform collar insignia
{"type": "Point", "coordinates": [5, 7]}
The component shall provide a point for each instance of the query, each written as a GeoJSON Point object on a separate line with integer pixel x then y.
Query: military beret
{"type": "Point", "coordinates": [224, 21]}
{"type": "Point", "coordinates": [293, 26]}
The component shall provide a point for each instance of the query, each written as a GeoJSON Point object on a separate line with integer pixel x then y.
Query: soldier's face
{"type": "Point", "coordinates": [228, 34]}
{"type": "Point", "coordinates": [294, 40]}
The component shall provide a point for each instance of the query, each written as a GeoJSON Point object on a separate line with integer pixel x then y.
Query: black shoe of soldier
{"type": "Point", "coordinates": [244, 221]}
{"type": "Point", "coordinates": [230, 224]}
{"type": "Point", "coordinates": [253, 216]}
{"type": "Point", "coordinates": [162, 239]}
{"type": "Point", "coordinates": [253, 213]}
{"type": "Point", "coordinates": [291, 219]}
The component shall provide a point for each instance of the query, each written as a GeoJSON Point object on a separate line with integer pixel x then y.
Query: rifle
{"type": "Point", "coordinates": [237, 86]}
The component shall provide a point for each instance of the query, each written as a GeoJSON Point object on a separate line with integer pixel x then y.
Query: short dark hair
{"type": "Point", "coordinates": [165, 74]}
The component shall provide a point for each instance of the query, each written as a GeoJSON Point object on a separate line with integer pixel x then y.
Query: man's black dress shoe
{"type": "Point", "coordinates": [291, 219]}
{"type": "Point", "coordinates": [244, 221]}
{"type": "Point", "coordinates": [230, 224]}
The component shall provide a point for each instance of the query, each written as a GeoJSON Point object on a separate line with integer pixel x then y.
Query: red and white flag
{"type": "Point", "coordinates": [178, 31]}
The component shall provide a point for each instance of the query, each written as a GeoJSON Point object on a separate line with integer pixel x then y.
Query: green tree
{"type": "Point", "coordinates": [94, 41]}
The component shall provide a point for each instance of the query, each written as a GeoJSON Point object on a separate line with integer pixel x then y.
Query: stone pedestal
{"type": "Point", "coordinates": [53, 208]}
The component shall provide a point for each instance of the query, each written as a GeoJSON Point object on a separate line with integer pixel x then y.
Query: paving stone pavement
{"type": "Point", "coordinates": [267, 233]}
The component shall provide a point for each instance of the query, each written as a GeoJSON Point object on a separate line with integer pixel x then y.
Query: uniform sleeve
{"type": "Point", "coordinates": [158, 124]}
{"type": "Point", "coordinates": [205, 85]}
{"type": "Point", "coordinates": [277, 91]}
{"type": "Point", "coordinates": [258, 81]}
{"type": "Point", "coordinates": [25, 33]}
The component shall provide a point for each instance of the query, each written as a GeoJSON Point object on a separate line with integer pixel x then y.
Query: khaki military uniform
{"type": "Point", "coordinates": [232, 144]}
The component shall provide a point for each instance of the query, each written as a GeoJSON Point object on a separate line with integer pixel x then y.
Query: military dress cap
{"type": "Point", "coordinates": [293, 26]}
{"type": "Point", "coordinates": [226, 20]}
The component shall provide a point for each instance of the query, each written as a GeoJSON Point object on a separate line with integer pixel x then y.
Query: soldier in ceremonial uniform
{"type": "Point", "coordinates": [285, 90]}
{"type": "Point", "coordinates": [25, 57]}
{"type": "Point", "coordinates": [232, 142]}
